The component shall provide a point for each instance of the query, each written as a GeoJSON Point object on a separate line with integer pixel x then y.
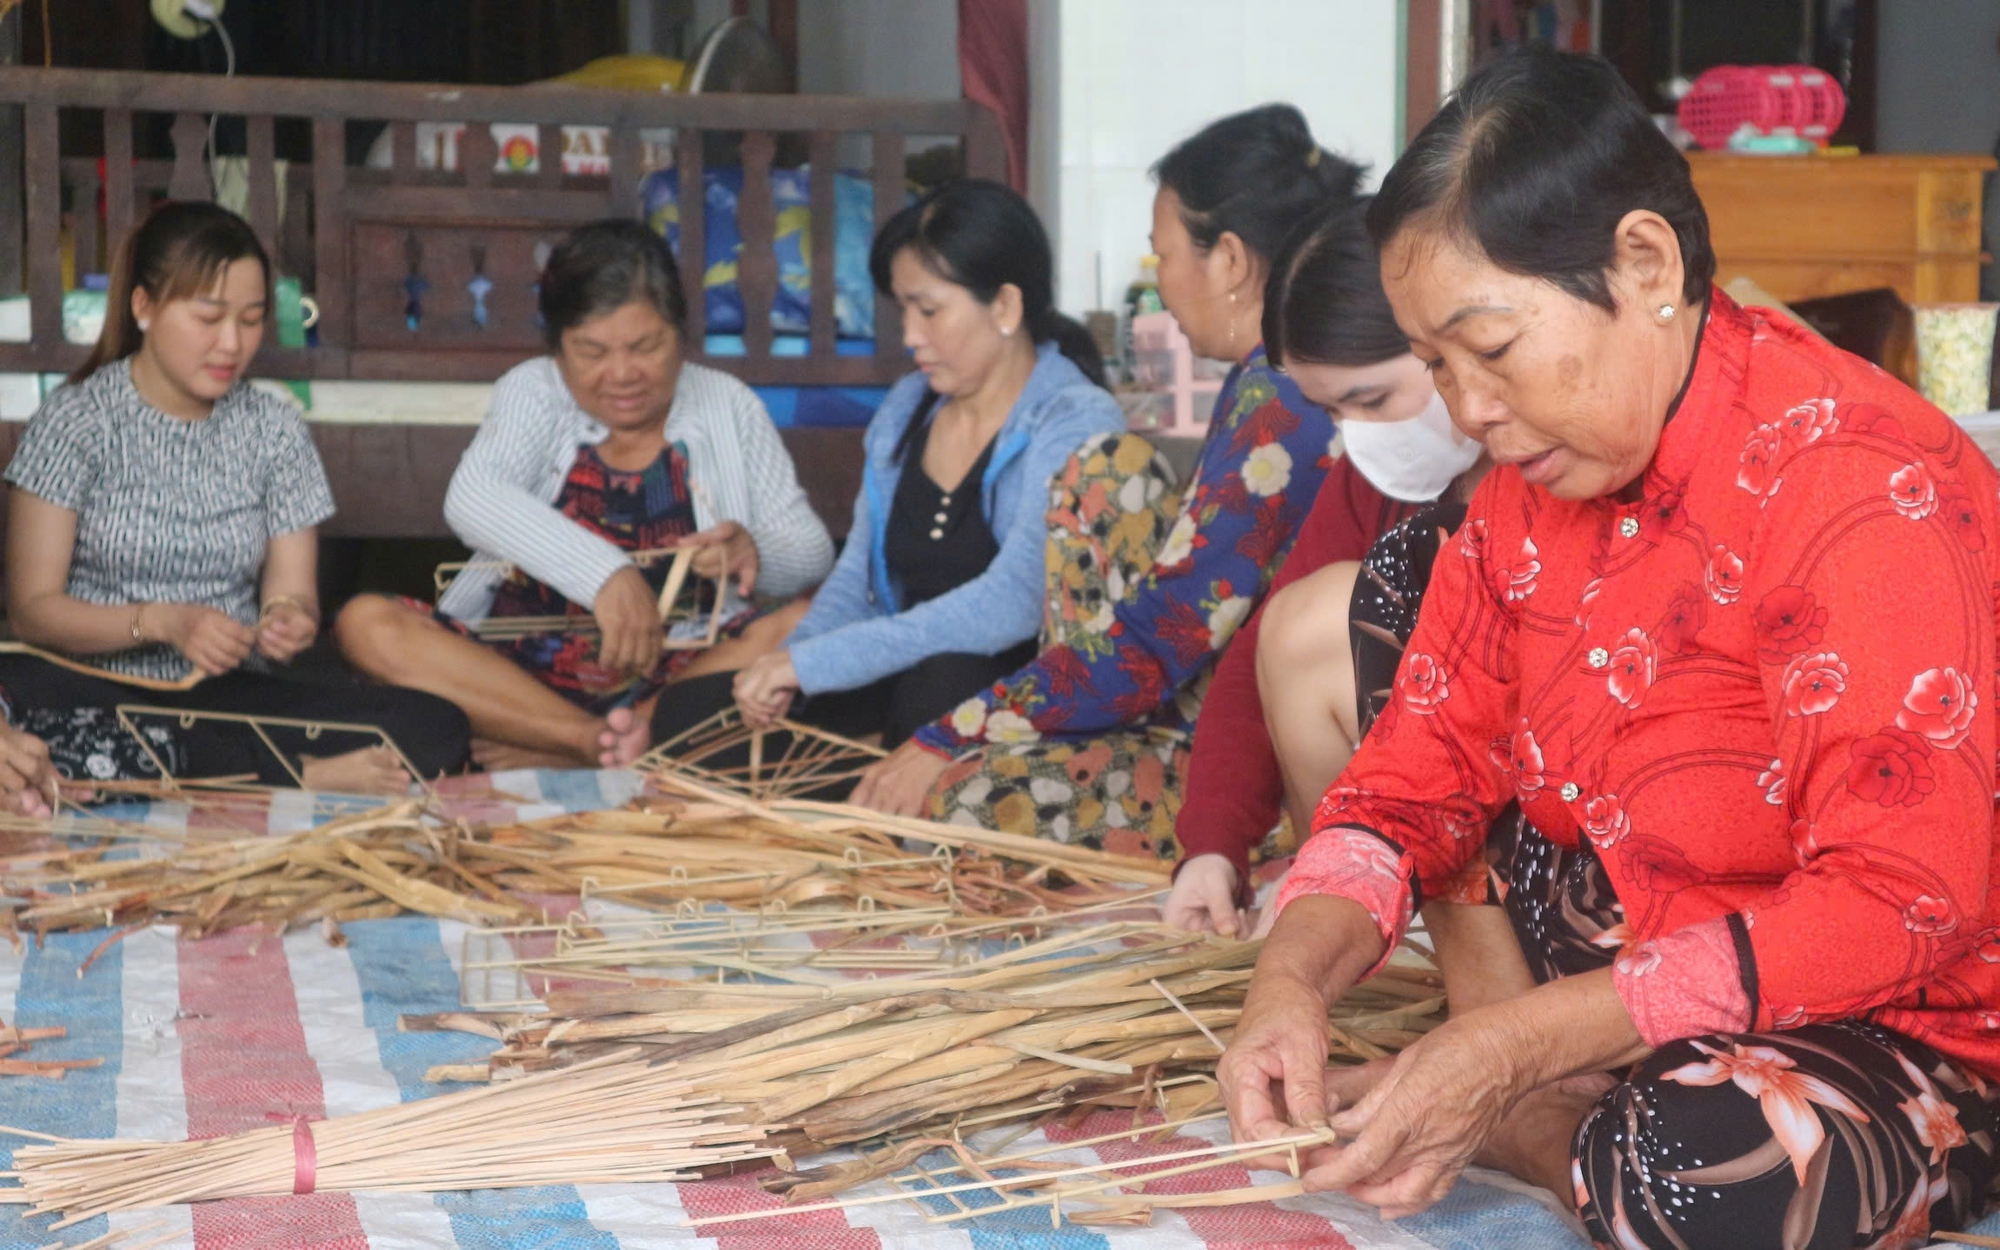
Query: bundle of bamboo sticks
{"type": "Point", "coordinates": [613, 1121]}
{"type": "Point", "coordinates": [705, 846]}
{"type": "Point", "coordinates": [704, 1076]}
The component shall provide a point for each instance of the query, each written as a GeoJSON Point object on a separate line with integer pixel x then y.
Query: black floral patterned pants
{"type": "Point", "coordinates": [1832, 1135]}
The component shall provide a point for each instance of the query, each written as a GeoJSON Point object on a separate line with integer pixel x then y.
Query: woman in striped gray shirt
{"type": "Point", "coordinates": [161, 540]}
{"type": "Point", "coordinates": [611, 444]}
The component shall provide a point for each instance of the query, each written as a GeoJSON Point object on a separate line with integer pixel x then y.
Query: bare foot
{"type": "Point", "coordinates": [371, 770]}
{"type": "Point", "coordinates": [1533, 1142]}
{"type": "Point", "coordinates": [497, 757]}
{"type": "Point", "coordinates": [626, 735]}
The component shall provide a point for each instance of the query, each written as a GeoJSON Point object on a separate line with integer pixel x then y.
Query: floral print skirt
{"type": "Point", "coordinates": [1842, 1134]}
{"type": "Point", "coordinates": [1110, 509]}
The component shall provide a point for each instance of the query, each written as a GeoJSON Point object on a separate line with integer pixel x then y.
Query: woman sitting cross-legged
{"type": "Point", "coordinates": [938, 592]}
{"type": "Point", "coordinates": [162, 525]}
{"type": "Point", "coordinates": [1721, 620]}
{"type": "Point", "coordinates": [1294, 692]}
{"type": "Point", "coordinates": [609, 446]}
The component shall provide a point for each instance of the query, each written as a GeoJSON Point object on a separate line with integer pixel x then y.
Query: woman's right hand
{"type": "Point", "coordinates": [628, 623]}
{"type": "Point", "coordinates": [1273, 1077]}
{"type": "Point", "coordinates": [765, 688]}
{"type": "Point", "coordinates": [213, 642]}
{"type": "Point", "coordinates": [1203, 899]}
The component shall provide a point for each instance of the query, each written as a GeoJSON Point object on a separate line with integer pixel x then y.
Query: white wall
{"type": "Point", "coordinates": [1137, 76]}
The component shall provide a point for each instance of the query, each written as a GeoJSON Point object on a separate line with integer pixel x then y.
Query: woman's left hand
{"type": "Point", "coordinates": [284, 632]}
{"type": "Point", "coordinates": [765, 688]}
{"type": "Point", "coordinates": [1417, 1129]}
{"type": "Point", "coordinates": [726, 550]}
{"type": "Point", "coordinates": [901, 784]}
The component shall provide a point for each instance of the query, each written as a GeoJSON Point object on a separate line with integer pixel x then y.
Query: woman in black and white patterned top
{"type": "Point", "coordinates": [162, 525]}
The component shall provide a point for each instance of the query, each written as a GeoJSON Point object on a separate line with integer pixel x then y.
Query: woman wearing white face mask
{"type": "Point", "coordinates": [1294, 694]}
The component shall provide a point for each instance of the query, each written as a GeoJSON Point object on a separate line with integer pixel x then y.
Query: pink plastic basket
{"type": "Point", "coordinates": [1770, 99]}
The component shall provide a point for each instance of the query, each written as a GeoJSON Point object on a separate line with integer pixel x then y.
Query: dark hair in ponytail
{"type": "Point", "coordinates": [980, 235]}
{"type": "Point", "coordinates": [1255, 175]}
{"type": "Point", "coordinates": [1324, 303]}
{"type": "Point", "coordinates": [180, 250]}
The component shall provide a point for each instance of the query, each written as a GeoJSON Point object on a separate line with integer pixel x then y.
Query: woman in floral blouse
{"type": "Point", "coordinates": [1723, 619]}
{"type": "Point", "coordinates": [1088, 742]}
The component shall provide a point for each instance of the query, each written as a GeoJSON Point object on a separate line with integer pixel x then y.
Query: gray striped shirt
{"type": "Point", "coordinates": [170, 511]}
{"type": "Point", "coordinates": [502, 498]}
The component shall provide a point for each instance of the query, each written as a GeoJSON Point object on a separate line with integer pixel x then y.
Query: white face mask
{"type": "Point", "coordinates": [1413, 460]}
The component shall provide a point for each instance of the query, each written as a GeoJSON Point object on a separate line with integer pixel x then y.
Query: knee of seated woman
{"type": "Point", "coordinates": [1305, 624]}
{"type": "Point", "coordinates": [369, 628]}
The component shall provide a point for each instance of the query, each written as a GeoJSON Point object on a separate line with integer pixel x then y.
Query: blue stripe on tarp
{"type": "Point", "coordinates": [402, 967]}
{"type": "Point", "coordinates": [1025, 1228]}
{"type": "Point", "coordinates": [85, 1102]}
{"type": "Point", "coordinates": [1486, 1217]}
{"type": "Point", "coordinates": [573, 789]}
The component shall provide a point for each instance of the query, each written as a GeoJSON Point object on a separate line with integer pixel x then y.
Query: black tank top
{"type": "Point", "coordinates": [937, 540]}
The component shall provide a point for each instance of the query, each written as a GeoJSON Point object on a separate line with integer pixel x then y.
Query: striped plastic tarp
{"type": "Point", "coordinates": [243, 1030]}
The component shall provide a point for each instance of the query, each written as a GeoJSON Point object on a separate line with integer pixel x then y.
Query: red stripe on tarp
{"type": "Point", "coordinates": [243, 1061]}
{"type": "Point", "coordinates": [806, 1230]}
{"type": "Point", "coordinates": [1222, 1228]}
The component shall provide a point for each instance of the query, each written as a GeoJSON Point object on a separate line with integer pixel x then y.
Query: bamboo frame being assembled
{"type": "Point", "coordinates": [187, 718]}
{"type": "Point", "coordinates": [808, 762]}
{"type": "Point", "coordinates": [676, 618]}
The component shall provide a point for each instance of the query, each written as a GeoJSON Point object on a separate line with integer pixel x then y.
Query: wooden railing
{"type": "Point", "coordinates": [360, 240]}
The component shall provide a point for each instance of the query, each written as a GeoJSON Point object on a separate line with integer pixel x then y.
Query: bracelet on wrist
{"type": "Point", "coordinates": [139, 623]}
{"type": "Point", "coordinates": [287, 601]}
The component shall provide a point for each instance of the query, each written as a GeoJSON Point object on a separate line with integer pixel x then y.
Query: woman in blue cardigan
{"type": "Point", "coordinates": [939, 591]}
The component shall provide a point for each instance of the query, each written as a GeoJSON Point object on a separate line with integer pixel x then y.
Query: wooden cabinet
{"type": "Point", "coordinates": [1803, 227]}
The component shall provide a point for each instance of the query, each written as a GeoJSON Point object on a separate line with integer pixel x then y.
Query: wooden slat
{"type": "Point", "coordinates": [460, 204]}
{"type": "Point", "coordinates": [330, 277]}
{"type": "Point", "coordinates": [190, 176]}
{"type": "Point", "coordinates": [402, 149]}
{"type": "Point", "coordinates": [456, 102]}
{"type": "Point", "coordinates": [825, 160]}
{"type": "Point", "coordinates": [549, 154]}
{"type": "Point", "coordinates": [119, 204]}
{"type": "Point", "coordinates": [83, 216]}
{"type": "Point", "coordinates": [757, 258]}
{"type": "Point", "coordinates": [261, 206]}
{"type": "Point", "coordinates": [43, 188]}
{"type": "Point", "coordinates": [692, 206]}
{"type": "Point", "coordinates": [889, 183]}
{"type": "Point", "coordinates": [627, 156]}
{"type": "Point", "coordinates": [476, 155]}
{"type": "Point", "coordinates": [13, 237]}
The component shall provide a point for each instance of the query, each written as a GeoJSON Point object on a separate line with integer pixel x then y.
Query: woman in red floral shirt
{"type": "Point", "coordinates": [1722, 618]}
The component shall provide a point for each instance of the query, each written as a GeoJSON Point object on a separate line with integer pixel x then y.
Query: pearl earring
{"type": "Point", "coordinates": [145, 326]}
{"type": "Point", "coordinates": [1007, 331]}
{"type": "Point", "coordinates": [1666, 312]}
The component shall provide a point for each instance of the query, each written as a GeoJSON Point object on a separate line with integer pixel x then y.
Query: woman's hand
{"type": "Point", "coordinates": [1420, 1126]}
{"type": "Point", "coordinates": [28, 781]}
{"type": "Point", "coordinates": [628, 623]}
{"type": "Point", "coordinates": [726, 549]}
{"type": "Point", "coordinates": [212, 641]}
{"type": "Point", "coordinates": [764, 690]}
{"type": "Point", "coordinates": [900, 785]}
{"type": "Point", "coordinates": [286, 630]}
{"type": "Point", "coordinates": [1203, 899]}
{"type": "Point", "coordinates": [1273, 1076]}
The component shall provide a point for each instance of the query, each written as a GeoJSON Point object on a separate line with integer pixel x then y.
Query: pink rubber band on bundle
{"type": "Point", "coordinates": [305, 1153]}
{"type": "Point", "coordinates": [305, 1157]}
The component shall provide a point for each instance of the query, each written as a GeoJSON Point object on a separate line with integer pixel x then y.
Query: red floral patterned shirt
{"type": "Point", "coordinates": [1764, 692]}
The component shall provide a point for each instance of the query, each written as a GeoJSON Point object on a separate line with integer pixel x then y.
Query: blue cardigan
{"type": "Point", "coordinates": [857, 631]}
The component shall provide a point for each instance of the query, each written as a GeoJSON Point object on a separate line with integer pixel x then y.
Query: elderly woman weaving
{"type": "Point", "coordinates": [1722, 622]}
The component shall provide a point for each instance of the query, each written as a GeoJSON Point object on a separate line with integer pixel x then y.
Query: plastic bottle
{"type": "Point", "coordinates": [1142, 297]}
